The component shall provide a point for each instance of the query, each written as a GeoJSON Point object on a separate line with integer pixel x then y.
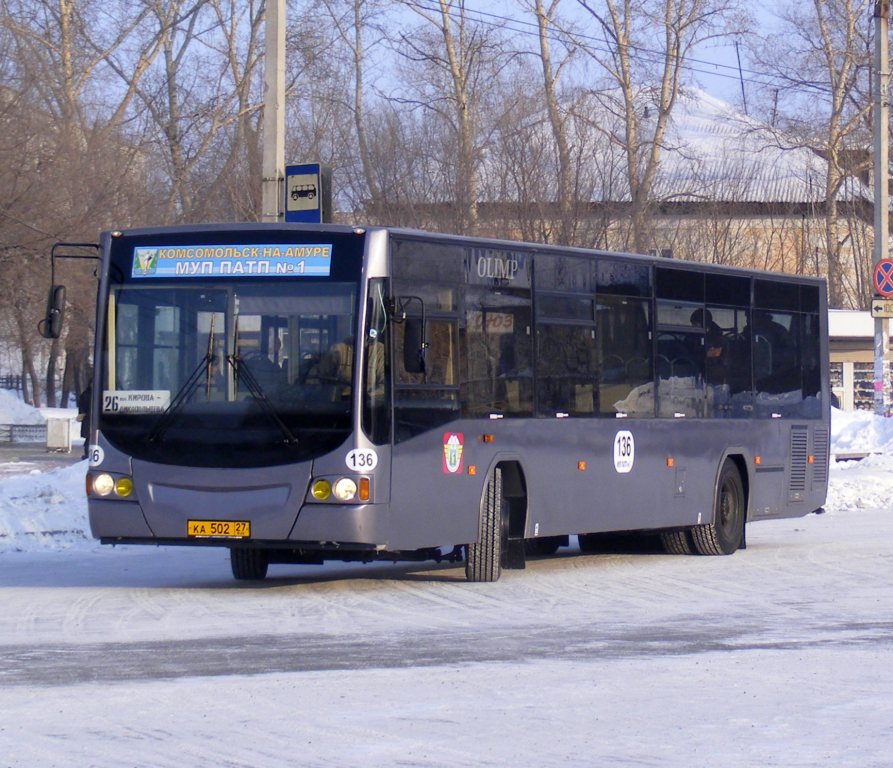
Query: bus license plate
{"type": "Point", "coordinates": [226, 529]}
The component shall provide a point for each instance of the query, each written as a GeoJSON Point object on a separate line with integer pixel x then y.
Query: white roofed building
{"type": "Point", "coordinates": [851, 342]}
{"type": "Point", "coordinates": [732, 190]}
{"type": "Point", "coordinates": [729, 190]}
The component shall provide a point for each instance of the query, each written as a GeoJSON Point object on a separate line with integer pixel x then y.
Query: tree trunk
{"type": "Point", "coordinates": [51, 373]}
{"type": "Point", "coordinates": [567, 224]}
{"type": "Point", "coordinates": [30, 376]}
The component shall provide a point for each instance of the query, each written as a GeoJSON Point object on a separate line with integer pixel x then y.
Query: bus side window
{"type": "Point", "coordinates": [440, 355]}
{"type": "Point", "coordinates": [566, 369]}
{"type": "Point", "coordinates": [425, 400]}
{"type": "Point", "coordinates": [497, 375]}
{"type": "Point", "coordinates": [812, 376]}
{"type": "Point", "coordinates": [775, 358]}
{"type": "Point", "coordinates": [626, 380]}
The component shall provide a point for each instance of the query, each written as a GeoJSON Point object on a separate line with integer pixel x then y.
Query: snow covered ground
{"type": "Point", "coordinates": [781, 655]}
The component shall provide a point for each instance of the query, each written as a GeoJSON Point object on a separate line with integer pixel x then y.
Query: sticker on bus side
{"type": "Point", "coordinates": [361, 460]}
{"type": "Point", "coordinates": [452, 452]}
{"type": "Point", "coordinates": [624, 451]}
{"type": "Point", "coordinates": [96, 455]}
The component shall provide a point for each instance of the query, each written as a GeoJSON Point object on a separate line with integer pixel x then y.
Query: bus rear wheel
{"type": "Point", "coordinates": [248, 564]}
{"type": "Point", "coordinates": [483, 561]}
{"type": "Point", "coordinates": [725, 533]}
{"type": "Point", "coordinates": [677, 542]}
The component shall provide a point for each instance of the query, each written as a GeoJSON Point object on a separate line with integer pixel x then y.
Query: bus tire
{"type": "Point", "coordinates": [483, 561]}
{"type": "Point", "coordinates": [248, 564]}
{"type": "Point", "coordinates": [677, 542]}
{"type": "Point", "coordinates": [724, 534]}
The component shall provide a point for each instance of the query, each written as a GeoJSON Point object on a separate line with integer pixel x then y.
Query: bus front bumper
{"type": "Point", "coordinates": [344, 523]}
{"type": "Point", "coordinates": [365, 524]}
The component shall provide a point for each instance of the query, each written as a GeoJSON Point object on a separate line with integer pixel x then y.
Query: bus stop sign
{"type": "Point", "coordinates": [308, 193]}
{"type": "Point", "coordinates": [883, 278]}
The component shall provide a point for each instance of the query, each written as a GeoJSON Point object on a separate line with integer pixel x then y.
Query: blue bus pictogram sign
{"type": "Point", "coordinates": [883, 277]}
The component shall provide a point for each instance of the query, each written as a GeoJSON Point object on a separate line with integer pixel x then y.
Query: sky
{"type": "Point", "coordinates": [717, 66]}
{"type": "Point", "coordinates": [779, 655]}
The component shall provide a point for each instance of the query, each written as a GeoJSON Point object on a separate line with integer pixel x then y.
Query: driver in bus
{"type": "Point", "coordinates": [334, 368]}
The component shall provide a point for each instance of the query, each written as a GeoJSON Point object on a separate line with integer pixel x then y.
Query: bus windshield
{"type": "Point", "coordinates": [228, 374]}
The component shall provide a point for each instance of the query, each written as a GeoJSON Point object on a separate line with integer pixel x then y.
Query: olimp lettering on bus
{"type": "Point", "coordinates": [291, 260]}
{"type": "Point", "coordinates": [492, 267]}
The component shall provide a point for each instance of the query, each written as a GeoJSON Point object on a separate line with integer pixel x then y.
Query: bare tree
{"type": "Point", "coordinates": [643, 46]}
{"type": "Point", "coordinates": [239, 45]}
{"type": "Point", "coordinates": [68, 169]}
{"type": "Point", "coordinates": [454, 61]}
{"type": "Point", "coordinates": [203, 100]}
{"type": "Point", "coordinates": [820, 63]}
{"type": "Point", "coordinates": [545, 17]}
{"type": "Point", "coordinates": [355, 22]}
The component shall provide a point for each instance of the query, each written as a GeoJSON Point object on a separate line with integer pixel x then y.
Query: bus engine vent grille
{"type": "Point", "coordinates": [799, 446]}
{"type": "Point", "coordinates": [821, 453]}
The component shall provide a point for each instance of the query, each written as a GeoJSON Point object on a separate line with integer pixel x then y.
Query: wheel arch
{"type": "Point", "coordinates": [503, 514]}
{"type": "Point", "coordinates": [739, 460]}
{"type": "Point", "coordinates": [514, 490]}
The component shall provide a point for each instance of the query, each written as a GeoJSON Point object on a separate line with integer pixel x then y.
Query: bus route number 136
{"type": "Point", "coordinates": [624, 451]}
{"type": "Point", "coordinates": [362, 460]}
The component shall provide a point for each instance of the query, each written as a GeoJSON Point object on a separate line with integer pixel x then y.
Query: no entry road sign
{"type": "Point", "coordinates": [883, 277]}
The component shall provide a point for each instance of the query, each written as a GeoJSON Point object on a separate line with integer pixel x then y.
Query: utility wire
{"type": "Point", "coordinates": [690, 64]}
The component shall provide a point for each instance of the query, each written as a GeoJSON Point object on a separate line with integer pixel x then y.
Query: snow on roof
{"type": "Point", "coordinates": [715, 153]}
{"type": "Point", "coordinates": [848, 323]}
{"type": "Point", "coordinates": [711, 153]}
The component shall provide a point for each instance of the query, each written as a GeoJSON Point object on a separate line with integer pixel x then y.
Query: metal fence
{"type": "Point", "coordinates": [23, 433]}
{"type": "Point", "coordinates": [9, 381]}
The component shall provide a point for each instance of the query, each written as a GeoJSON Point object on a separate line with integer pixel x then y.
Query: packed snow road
{"type": "Point", "coordinates": [142, 614]}
{"type": "Point", "coordinates": [252, 655]}
{"type": "Point", "coordinates": [781, 655]}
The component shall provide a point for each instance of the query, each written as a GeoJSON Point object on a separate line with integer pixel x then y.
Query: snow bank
{"type": "Point", "coordinates": [14, 411]}
{"type": "Point", "coordinates": [44, 510]}
{"type": "Point", "coordinates": [48, 510]}
{"type": "Point", "coordinates": [860, 431]}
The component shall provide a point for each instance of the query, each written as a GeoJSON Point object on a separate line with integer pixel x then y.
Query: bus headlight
{"type": "Point", "coordinates": [321, 490]}
{"type": "Point", "coordinates": [103, 484]}
{"type": "Point", "coordinates": [342, 490]}
{"type": "Point", "coordinates": [123, 487]}
{"type": "Point", "coordinates": [345, 489]}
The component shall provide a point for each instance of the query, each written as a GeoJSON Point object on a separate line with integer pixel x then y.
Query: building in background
{"type": "Point", "coordinates": [851, 343]}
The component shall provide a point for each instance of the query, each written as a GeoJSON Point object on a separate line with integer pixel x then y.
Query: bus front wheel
{"type": "Point", "coordinates": [248, 564]}
{"type": "Point", "coordinates": [725, 533]}
{"type": "Point", "coordinates": [483, 561]}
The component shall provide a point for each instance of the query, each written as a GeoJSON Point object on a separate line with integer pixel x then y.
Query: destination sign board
{"type": "Point", "coordinates": [264, 260]}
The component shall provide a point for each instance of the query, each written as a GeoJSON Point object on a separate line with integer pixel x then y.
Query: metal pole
{"type": "Point", "coordinates": [881, 191]}
{"type": "Point", "coordinates": [274, 112]}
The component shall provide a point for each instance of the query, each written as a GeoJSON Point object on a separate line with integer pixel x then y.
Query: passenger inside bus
{"type": "Point", "coordinates": [269, 376]}
{"type": "Point", "coordinates": [714, 346]}
{"type": "Point", "coordinates": [774, 354]}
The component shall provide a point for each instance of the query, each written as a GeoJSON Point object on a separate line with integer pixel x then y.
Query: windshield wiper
{"type": "Point", "coordinates": [243, 373]}
{"type": "Point", "coordinates": [183, 394]}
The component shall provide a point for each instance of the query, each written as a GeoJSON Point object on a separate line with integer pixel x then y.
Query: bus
{"type": "Point", "coordinates": [305, 393]}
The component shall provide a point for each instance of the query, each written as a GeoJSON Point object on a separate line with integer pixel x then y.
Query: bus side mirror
{"type": "Point", "coordinates": [51, 325]}
{"type": "Point", "coordinates": [414, 346]}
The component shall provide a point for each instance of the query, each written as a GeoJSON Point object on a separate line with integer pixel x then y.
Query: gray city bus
{"type": "Point", "coordinates": [309, 393]}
